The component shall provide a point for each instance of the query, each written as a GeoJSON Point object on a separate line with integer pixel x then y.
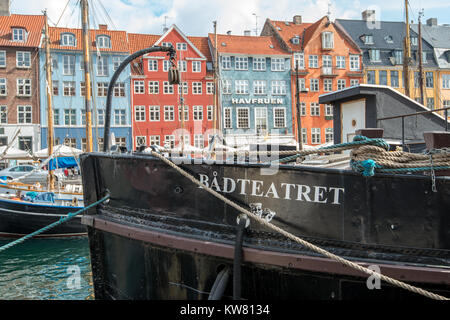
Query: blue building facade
{"type": "Point", "coordinates": [255, 98]}
{"type": "Point", "coordinates": [69, 90]}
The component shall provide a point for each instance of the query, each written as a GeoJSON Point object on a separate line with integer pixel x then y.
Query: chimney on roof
{"type": "Point", "coordinates": [229, 32]}
{"type": "Point", "coordinates": [247, 32]}
{"type": "Point", "coordinates": [368, 15]}
{"type": "Point", "coordinates": [103, 27]}
{"type": "Point", "coordinates": [297, 19]}
{"type": "Point", "coordinates": [5, 7]}
{"type": "Point", "coordinates": [432, 22]}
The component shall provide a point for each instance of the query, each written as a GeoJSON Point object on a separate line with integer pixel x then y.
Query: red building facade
{"type": "Point", "coordinates": [157, 105]}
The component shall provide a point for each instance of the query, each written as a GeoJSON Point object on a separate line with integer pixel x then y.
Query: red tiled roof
{"type": "Point", "coordinates": [119, 41]}
{"type": "Point", "coordinates": [262, 45]}
{"type": "Point", "coordinates": [33, 24]}
{"type": "Point", "coordinates": [201, 43]}
{"type": "Point", "coordinates": [137, 41]}
{"type": "Point", "coordinates": [288, 30]}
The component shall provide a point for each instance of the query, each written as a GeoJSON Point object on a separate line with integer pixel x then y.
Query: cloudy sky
{"type": "Point", "coordinates": [195, 17]}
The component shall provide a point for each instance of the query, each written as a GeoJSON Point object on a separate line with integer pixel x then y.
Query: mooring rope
{"type": "Point", "coordinates": [62, 219]}
{"type": "Point", "coordinates": [297, 239]}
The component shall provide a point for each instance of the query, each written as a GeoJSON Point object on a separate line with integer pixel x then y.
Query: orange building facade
{"type": "Point", "coordinates": [328, 60]}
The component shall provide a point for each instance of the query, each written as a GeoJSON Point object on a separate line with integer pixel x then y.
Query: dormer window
{"type": "Point", "coordinates": [374, 55]}
{"type": "Point", "coordinates": [295, 40]}
{"type": "Point", "coordinates": [327, 40]}
{"type": "Point", "coordinates": [368, 39]}
{"type": "Point", "coordinates": [18, 34]}
{"type": "Point", "coordinates": [182, 46]}
{"type": "Point", "coordinates": [447, 55]}
{"type": "Point", "coordinates": [68, 39]}
{"type": "Point", "coordinates": [388, 39]}
{"type": "Point", "coordinates": [414, 41]}
{"type": "Point", "coordinates": [103, 42]}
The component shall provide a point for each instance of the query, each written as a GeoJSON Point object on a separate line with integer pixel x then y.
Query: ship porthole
{"type": "Point", "coordinates": [178, 189]}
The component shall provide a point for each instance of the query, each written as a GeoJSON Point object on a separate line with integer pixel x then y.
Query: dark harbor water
{"type": "Point", "coordinates": [46, 269]}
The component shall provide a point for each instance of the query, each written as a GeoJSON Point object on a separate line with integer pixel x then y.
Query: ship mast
{"type": "Point", "coordinates": [421, 84]}
{"type": "Point", "coordinates": [407, 54]}
{"type": "Point", "coordinates": [87, 75]}
{"type": "Point", "coordinates": [48, 69]}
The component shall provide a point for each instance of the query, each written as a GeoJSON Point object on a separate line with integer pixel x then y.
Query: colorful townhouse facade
{"type": "Point", "coordinates": [382, 43]}
{"type": "Point", "coordinates": [20, 73]}
{"type": "Point", "coordinates": [254, 92]}
{"type": "Point", "coordinates": [157, 105]}
{"type": "Point", "coordinates": [108, 49]}
{"type": "Point", "coordinates": [439, 38]}
{"type": "Point", "coordinates": [327, 60]}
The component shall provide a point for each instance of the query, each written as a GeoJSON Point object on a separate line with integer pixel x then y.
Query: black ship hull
{"type": "Point", "coordinates": [163, 237]}
{"type": "Point", "coordinates": [20, 218]}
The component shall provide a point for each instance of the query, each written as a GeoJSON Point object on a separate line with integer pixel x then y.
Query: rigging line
{"type": "Point", "coordinates": [64, 10]}
{"type": "Point", "coordinates": [93, 92]}
{"type": "Point", "coordinates": [107, 15]}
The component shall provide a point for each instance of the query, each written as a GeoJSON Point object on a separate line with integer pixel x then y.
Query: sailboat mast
{"type": "Point", "coordinates": [407, 54]}
{"type": "Point", "coordinates": [87, 75]}
{"type": "Point", "coordinates": [48, 69]}
{"type": "Point", "coordinates": [421, 84]}
{"type": "Point", "coordinates": [216, 78]}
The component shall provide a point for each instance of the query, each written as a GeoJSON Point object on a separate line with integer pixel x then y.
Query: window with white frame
{"type": "Point", "coordinates": [153, 87]}
{"type": "Point", "coordinates": [328, 135]}
{"type": "Point", "coordinates": [2, 58]}
{"type": "Point", "coordinates": [119, 89]}
{"type": "Point", "coordinates": [182, 65]}
{"type": "Point", "coordinates": [327, 40]}
{"type": "Point", "coordinates": [139, 86]}
{"type": "Point", "coordinates": [166, 65]}
{"type": "Point", "coordinates": [243, 118]}
{"type": "Point", "coordinates": [313, 61]}
{"type": "Point", "coordinates": [120, 117]}
{"type": "Point", "coordinates": [24, 114]}
{"type": "Point", "coordinates": [169, 141]}
{"type": "Point", "coordinates": [199, 141]}
{"type": "Point", "coordinates": [354, 62]}
{"type": "Point", "coordinates": [278, 87]}
{"type": "Point", "coordinates": [68, 65]}
{"type": "Point", "coordinates": [155, 140]}
{"type": "Point", "coordinates": [68, 88]}
{"type": "Point", "coordinates": [166, 44]}
{"type": "Point", "coordinates": [196, 88]}
{"type": "Point", "coordinates": [446, 81]}
{"type": "Point", "coordinates": [314, 85]}
{"type": "Point", "coordinates": [68, 39]}
{"type": "Point", "coordinates": [56, 117]}
{"type": "Point", "coordinates": [169, 113]}
{"type": "Point", "coordinates": [299, 57]}
{"type": "Point", "coordinates": [18, 34]}
{"type": "Point", "coordinates": [279, 117]}
{"type": "Point", "coordinates": [3, 115]}
{"type": "Point", "coordinates": [70, 117]}
{"type": "Point", "coordinates": [103, 42]}
{"type": "Point", "coordinates": [226, 63]}
{"type": "Point", "coordinates": [227, 118]}
{"type": "Point", "coordinates": [186, 113]}
{"type": "Point", "coordinates": [139, 113]}
{"type": "Point", "coordinates": [167, 88]}
{"type": "Point", "coordinates": [341, 84]}
{"type": "Point", "coordinates": [210, 88]}
{"type": "Point", "coordinates": [354, 82]}
{"type": "Point", "coordinates": [116, 62]}
{"type": "Point", "coordinates": [259, 64]}
{"type": "Point", "coordinates": [23, 59]}
{"type": "Point", "coordinates": [260, 118]}
{"type": "Point", "coordinates": [303, 109]}
{"type": "Point", "coordinates": [210, 113]}
{"type": "Point", "coordinates": [24, 87]}
{"type": "Point", "coordinates": [141, 141]}
{"type": "Point", "coordinates": [259, 87]}
{"type": "Point", "coordinates": [340, 62]}
{"type": "Point", "coordinates": [241, 63]}
{"type": "Point", "coordinates": [101, 117]}
{"type": "Point", "coordinates": [198, 113]}
{"type": "Point", "coordinates": [183, 88]}
{"type": "Point", "coordinates": [226, 86]}
{"type": "Point", "coordinates": [374, 55]}
{"type": "Point", "coordinates": [181, 46]}
{"type": "Point", "coordinates": [102, 66]}
{"type": "Point", "coordinates": [70, 142]}
{"type": "Point", "coordinates": [3, 87]}
{"type": "Point", "coordinates": [305, 135]}
{"type": "Point", "coordinates": [277, 64]}
{"type": "Point", "coordinates": [327, 85]}
{"type": "Point", "coordinates": [153, 114]}
{"type": "Point", "coordinates": [315, 136]}
{"type": "Point", "coordinates": [315, 109]}
{"type": "Point", "coordinates": [328, 110]}
{"type": "Point", "coordinates": [196, 66]}
{"type": "Point", "coordinates": [301, 83]}
{"type": "Point", "coordinates": [102, 89]}
{"type": "Point", "coordinates": [121, 141]}
{"type": "Point", "coordinates": [241, 86]}
{"type": "Point", "coordinates": [152, 65]}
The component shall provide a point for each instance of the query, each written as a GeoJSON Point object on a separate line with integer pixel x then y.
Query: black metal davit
{"type": "Point", "coordinates": [173, 79]}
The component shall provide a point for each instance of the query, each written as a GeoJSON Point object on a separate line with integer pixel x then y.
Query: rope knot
{"type": "Point", "coordinates": [369, 167]}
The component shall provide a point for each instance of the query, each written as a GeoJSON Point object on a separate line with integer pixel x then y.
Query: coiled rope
{"type": "Point", "coordinates": [62, 220]}
{"type": "Point", "coordinates": [297, 239]}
